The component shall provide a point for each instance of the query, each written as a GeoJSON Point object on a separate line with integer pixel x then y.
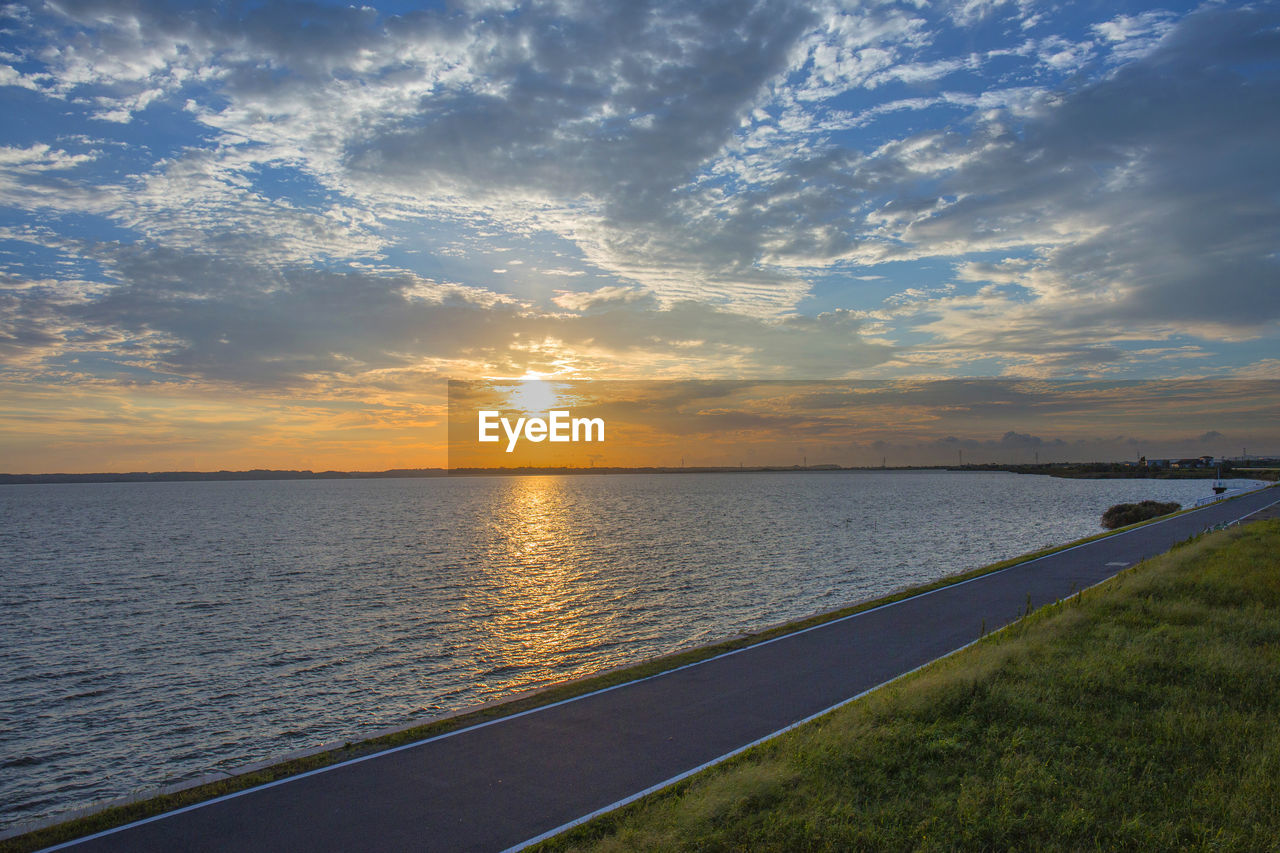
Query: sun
{"type": "Point", "coordinates": [532, 396]}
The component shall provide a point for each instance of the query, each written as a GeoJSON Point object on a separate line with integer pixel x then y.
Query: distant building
{"type": "Point", "coordinates": [1198, 462]}
{"type": "Point", "coordinates": [1157, 463]}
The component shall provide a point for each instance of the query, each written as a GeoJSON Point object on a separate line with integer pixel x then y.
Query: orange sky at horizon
{"type": "Point", "coordinates": [667, 423]}
{"type": "Point", "coordinates": [656, 423]}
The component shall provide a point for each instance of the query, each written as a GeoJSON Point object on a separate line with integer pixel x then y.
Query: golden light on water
{"type": "Point", "coordinates": [540, 580]}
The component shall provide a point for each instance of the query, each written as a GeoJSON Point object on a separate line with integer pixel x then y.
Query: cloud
{"type": "Point", "coordinates": [39, 158]}
{"type": "Point", "coordinates": [181, 314]}
{"type": "Point", "coordinates": [1120, 185]}
{"type": "Point", "coordinates": [615, 126]}
{"type": "Point", "coordinates": [604, 296]}
{"type": "Point", "coordinates": [1133, 36]}
{"type": "Point", "coordinates": [1012, 440]}
{"type": "Point", "coordinates": [531, 119]}
{"type": "Point", "coordinates": [1149, 197]}
{"type": "Point", "coordinates": [555, 107]}
{"type": "Point", "coordinates": [33, 177]}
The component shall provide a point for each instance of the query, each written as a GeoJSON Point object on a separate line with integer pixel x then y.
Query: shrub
{"type": "Point", "coordinates": [1122, 514]}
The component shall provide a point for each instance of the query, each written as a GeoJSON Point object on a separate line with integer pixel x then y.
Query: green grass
{"type": "Point", "coordinates": [1139, 715]}
{"type": "Point", "coordinates": [122, 814]}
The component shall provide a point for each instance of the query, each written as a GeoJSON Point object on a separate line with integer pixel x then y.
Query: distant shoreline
{"type": "Point", "coordinates": [1091, 470]}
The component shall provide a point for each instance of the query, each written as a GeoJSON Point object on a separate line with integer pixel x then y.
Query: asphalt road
{"type": "Point", "coordinates": [500, 784]}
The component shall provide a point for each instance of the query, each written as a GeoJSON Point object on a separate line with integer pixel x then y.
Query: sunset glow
{"type": "Point", "coordinates": [238, 236]}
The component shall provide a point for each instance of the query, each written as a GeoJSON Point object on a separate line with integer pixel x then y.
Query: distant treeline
{"type": "Point", "coordinates": [1119, 471]}
{"type": "Point", "coordinates": [1089, 470]}
{"type": "Point", "coordinates": [185, 476]}
{"type": "Point", "coordinates": [699, 469]}
{"type": "Point", "coordinates": [270, 474]}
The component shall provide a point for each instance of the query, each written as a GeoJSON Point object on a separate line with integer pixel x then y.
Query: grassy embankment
{"type": "Point", "coordinates": [1137, 715]}
{"type": "Point", "coordinates": [119, 815]}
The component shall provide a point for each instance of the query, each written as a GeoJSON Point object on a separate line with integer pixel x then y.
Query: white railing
{"type": "Point", "coordinates": [1232, 493]}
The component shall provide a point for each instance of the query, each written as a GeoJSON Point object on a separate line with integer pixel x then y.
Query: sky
{"type": "Point", "coordinates": [266, 234]}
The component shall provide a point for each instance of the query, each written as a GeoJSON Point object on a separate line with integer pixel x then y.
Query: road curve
{"type": "Point", "coordinates": [503, 783]}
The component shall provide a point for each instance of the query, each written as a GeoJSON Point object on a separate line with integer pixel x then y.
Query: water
{"type": "Point", "coordinates": [153, 632]}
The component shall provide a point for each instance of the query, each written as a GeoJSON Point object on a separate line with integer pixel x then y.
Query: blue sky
{"type": "Point", "coordinates": [287, 210]}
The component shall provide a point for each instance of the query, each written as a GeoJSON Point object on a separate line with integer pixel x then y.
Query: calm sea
{"type": "Point", "coordinates": [153, 632]}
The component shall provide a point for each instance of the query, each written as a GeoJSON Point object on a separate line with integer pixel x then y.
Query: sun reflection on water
{"type": "Point", "coordinates": [538, 585]}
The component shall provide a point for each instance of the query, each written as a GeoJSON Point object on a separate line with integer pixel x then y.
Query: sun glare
{"type": "Point", "coordinates": [532, 397]}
